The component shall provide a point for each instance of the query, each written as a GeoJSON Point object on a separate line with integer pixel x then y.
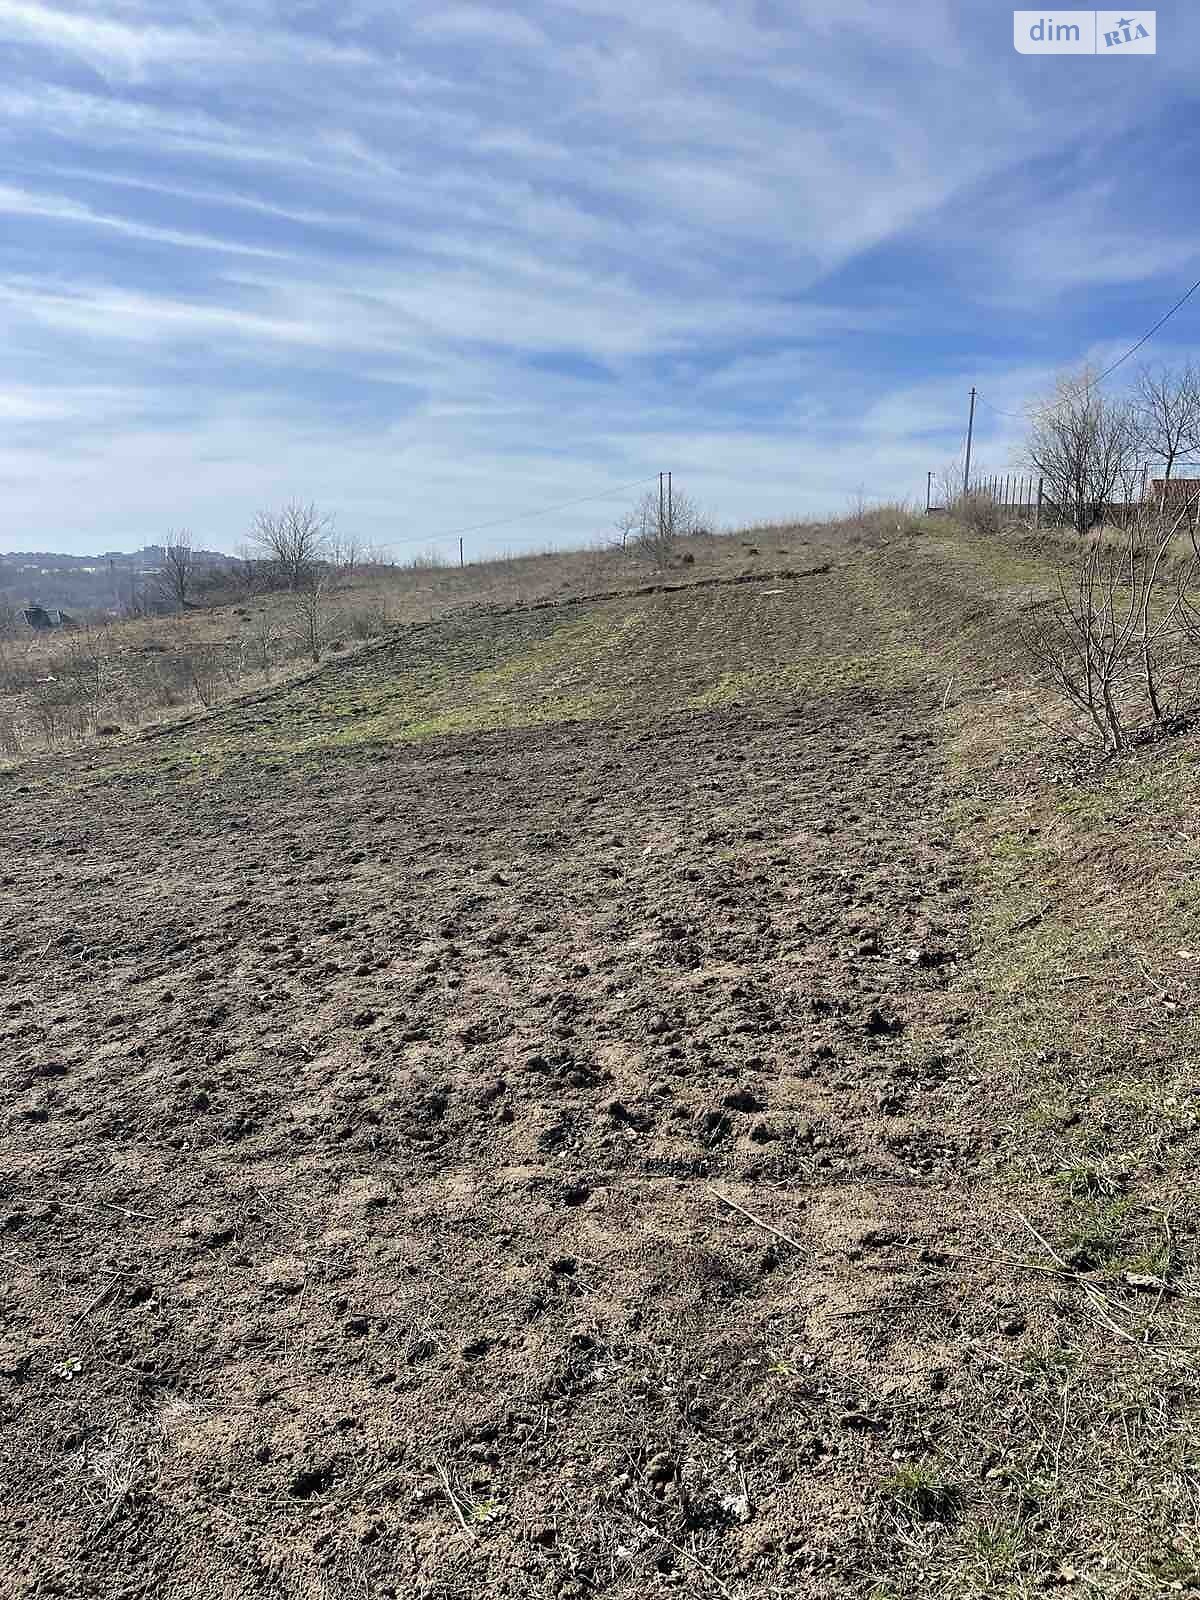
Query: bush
{"type": "Point", "coordinates": [979, 512]}
{"type": "Point", "coordinates": [1121, 643]}
{"type": "Point", "coordinates": [654, 526]}
{"type": "Point", "coordinates": [366, 622]}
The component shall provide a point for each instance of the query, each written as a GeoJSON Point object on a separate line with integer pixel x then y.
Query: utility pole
{"type": "Point", "coordinates": [461, 562]}
{"type": "Point", "coordinates": [928, 490]}
{"type": "Point", "coordinates": [970, 434]}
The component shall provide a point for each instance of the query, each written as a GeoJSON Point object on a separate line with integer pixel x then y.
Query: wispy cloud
{"type": "Point", "coordinates": [491, 23]}
{"type": "Point", "coordinates": [497, 252]}
{"type": "Point", "coordinates": [134, 49]}
{"type": "Point", "coordinates": [21, 203]}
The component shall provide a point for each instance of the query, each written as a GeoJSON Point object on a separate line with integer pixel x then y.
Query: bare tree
{"type": "Point", "coordinates": [204, 669]}
{"type": "Point", "coordinates": [948, 485]}
{"type": "Point", "coordinates": [266, 641]}
{"type": "Point", "coordinates": [378, 554]}
{"type": "Point", "coordinates": [1083, 445]}
{"type": "Point", "coordinates": [640, 527]}
{"type": "Point", "coordinates": [1167, 415]}
{"type": "Point", "coordinates": [346, 553]}
{"type": "Point", "coordinates": [654, 525]}
{"type": "Point", "coordinates": [1122, 642]}
{"type": "Point", "coordinates": [70, 698]}
{"type": "Point", "coordinates": [176, 574]}
{"type": "Point", "coordinates": [85, 669]}
{"type": "Point", "coordinates": [295, 541]}
{"type": "Point", "coordinates": [310, 621]}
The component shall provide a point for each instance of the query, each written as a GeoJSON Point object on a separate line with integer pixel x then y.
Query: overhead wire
{"type": "Point", "coordinates": [522, 516]}
{"type": "Point", "coordinates": [1111, 368]}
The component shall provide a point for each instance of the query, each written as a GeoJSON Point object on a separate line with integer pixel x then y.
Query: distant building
{"type": "Point", "coordinates": [39, 618]}
{"type": "Point", "coordinates": [1176, 493]}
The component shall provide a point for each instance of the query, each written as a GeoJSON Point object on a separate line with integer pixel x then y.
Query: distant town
{"type": "Point", "coordinates": [105, 583]}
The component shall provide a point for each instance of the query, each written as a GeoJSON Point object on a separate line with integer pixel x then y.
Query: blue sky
{"type": "Point", "coordinates": [432, 265]}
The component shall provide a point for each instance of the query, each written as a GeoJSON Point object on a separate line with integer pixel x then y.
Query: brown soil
{"type": "Point", "coordinates": [712, 1149]}
{"type": "Point", "coordinates": [376, 1150]}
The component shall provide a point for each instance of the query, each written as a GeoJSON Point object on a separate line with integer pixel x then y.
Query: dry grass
{"type": "Point", "coordinates": [1075, 1455]}
{"type": "Point", "coordinates": [58, 688]}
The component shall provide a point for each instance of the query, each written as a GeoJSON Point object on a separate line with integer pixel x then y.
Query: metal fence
{"type": "Point", "coordinates": [1020, 497]}
{"type": "Point", "coordinates": [1024, 498]}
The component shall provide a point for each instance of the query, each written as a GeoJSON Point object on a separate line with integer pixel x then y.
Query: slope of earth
{"type": "Point", "coordinates": [64, 686]}
{"type": "Point", "coordinates": [566, 1158]}
{"type": "Point", "coordinates": [846, 623]}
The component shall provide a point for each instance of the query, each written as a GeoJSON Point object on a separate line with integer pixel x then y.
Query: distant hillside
{"type": "Point", "coordinates": [101, 582]}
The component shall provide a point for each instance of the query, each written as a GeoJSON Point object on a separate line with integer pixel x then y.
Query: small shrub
{"type": "Point", "coordinates": [366, 622]}
{"type": "Point", "coordinates": [865, 521]}
{"type": "Point", "coordinates": [1120, 642]}
{"type": "Point", "coordinates": [310, 619]}
{"type": "Point", "coordinates": [16, 676]}
{"type": "Point", "coordinates": [979, 512]}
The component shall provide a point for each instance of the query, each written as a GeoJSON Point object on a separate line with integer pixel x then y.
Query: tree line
{"type": "Point", "coordinates": [1093, 450]}
{"type": "Point", "coordinates": [297, 548]}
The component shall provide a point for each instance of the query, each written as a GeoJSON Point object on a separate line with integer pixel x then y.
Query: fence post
{"type": "Point", "coordinates": [1037, 516]}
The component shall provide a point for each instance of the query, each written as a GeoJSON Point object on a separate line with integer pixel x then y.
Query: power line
{"type": "Point", "coordinates": [1120, 361]}
{"type": "Point", "coordinates": [521, 516]}
{"type": "Point", "coordinates": [1019, 414]}
{"type": "Point", "coordinates": [1166, 316]}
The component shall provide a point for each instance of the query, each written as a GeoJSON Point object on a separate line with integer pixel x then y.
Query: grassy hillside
{"type": "Point", "coordinates": [689, 1092]}
{"type": "Point", "coordinates": [920, 613]}
{"type": "Point", "coordinates": [64, 688]}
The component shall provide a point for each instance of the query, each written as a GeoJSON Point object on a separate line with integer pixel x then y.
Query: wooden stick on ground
{"type": "Point", "coordinates": [757, 1221]}
{"type": "Point", "coordinates": [453, 1498]}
